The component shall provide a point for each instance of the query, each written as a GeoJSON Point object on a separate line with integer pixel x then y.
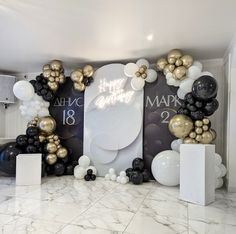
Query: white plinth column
{"type": "Point", "coordinates": [28, 169]}
{"type": "Point", "coordinates": [197, 173]}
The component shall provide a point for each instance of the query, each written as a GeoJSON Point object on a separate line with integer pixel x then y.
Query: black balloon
{"type": "Point", "coordinates": [87, 177]}
{"type": "Point", "coordinates": [197, 115]}
{"type": "Point", "coordinates": [205, 88]}
{"type": "Point", "coordinates": [137, 178]}
{"type": "Point", "coordinates": [32, 131]}
{"type": "Point", "coordinates": [8, 153]}
{"type": "Point", "coordinates": [89, 171]}
{"type": "Point", "coordinates": [59, 169]}
{"type": "Point", "coordinates": [129, 172]}
{"type": "Point", "coordinates": [211, 107]}
{"type": "Point", "coordinates": [22, 140]}
{"type": "Point", "coordinates": [69, 170]}
{"type": "Point", "coordinates": [31, 149]}
{"type": "Point", "coordinates": [138, 164]}
{"type": "Point", "coordinates": [146, 175]}
{"type": "Point", "coordinates": [93, 177]}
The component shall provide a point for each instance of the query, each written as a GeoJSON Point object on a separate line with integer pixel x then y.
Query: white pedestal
{"type": "Point", "coordinates": [197, 173]}
{"type": "Point", "coordinates": [28, 169]}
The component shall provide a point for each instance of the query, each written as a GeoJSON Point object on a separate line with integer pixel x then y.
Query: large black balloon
{"type": "Point", "coordinates": [59, 169]}
{"type": "Point", "coordinates": [197, 115]}
{"type": "Point", "coordinates": [138, 164]}
{"type": "Point", "coordinates": [146, 175]}
{"type": "Point", "coordinates": [32, 131]}
{"type": "Point", "coordinates": [211, 107]}
{"type": "Point", "coordinates": [205, 88]}
{"type": "Point", "coordinates": [22, 141]}
{"type": "Point", "coordinates": [8, 153]}
{"type": "Point", "coordinates": [137, 177]}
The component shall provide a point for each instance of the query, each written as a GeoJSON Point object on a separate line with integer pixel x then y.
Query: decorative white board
{"type": "Point", "coordinates": [113, 119]}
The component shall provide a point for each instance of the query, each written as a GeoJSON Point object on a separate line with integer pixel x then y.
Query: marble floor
{"type": "Point", "coordinates": [65, 205]}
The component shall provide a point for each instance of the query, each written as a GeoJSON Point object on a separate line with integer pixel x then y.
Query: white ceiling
{"type": "Point", "coordinates": [99, 31]}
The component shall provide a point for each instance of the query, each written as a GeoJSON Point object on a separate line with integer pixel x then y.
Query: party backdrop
{"type": "Point", "coordinates": [161, 104]}
{"type": "Point", "coordinates": [68, 111]}
{"type": "Point", "coordinates": [113, 120]}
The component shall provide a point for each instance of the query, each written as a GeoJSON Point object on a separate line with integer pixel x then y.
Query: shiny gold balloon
{"type": "Point", "coordinates": [62, 152]}
{"type": "Point", "coordinates": [51, 79]}
{"type": "Point", "coordinates": [205, 127]}
{"type": "Point", "coordinates": [198, 130]}
{"type": "Point", "coordinates": [161, 63]}
{"type": "Point", "coordinates": [144, 75]}
{"type": "Point", "coordinates": [198, 123]}
{"type": "Point", "coordinates": [171, 60]}
{"type": "Point", "coordinates": [169, 68]}
{"type": "Point", "coordinates": [55, 137]}
{"type": "Point", "coordinates": [178, 62]}
{"type": "Point", "coordinates": [187, 60]}
{"type": "Point", "coordinates": [207, 137]}
{"type": "Point", "coordinates": [47, 125]}
{"type": "Point", "coordinates": [46, 67]}
{"type": "Point", "coordinates": [51, 148]}
{"type": "Point", "coordinates": [53, 73]}
{"type": "Point", "coordinates": [189, 140]}
{"type": "Point", "coordinates": [206, 121]}
{"type": "Point", "coordinates": [88, 71]}
{"type": "Point", "coordinates": [138, 74]}
{"type": "Point", "coordinates": [79, 86]}
{"type": "Point", "coordinates": [180, 126]}
{"type": "Point", "coordinates": [198, 138]}
{"type": "Point", "coordinates": [42, 138]}
{"type": "Point", "coordinates": [213, 133]}
{"type": "Point", "coordinates": [47, 73]}
{"type": "Point", "coordinates": [53, 86]}
{"type": "Point", "coordinates": [179, 73]}
{"type": "Point", "coordinates": [51, 159]}
{"type": "Point", "coordinates": [192, 135]}
{"type": "Point", "coordinates": [56, 65]}
{"type": "Point", "coordinates": [77, 76]}
{"type": "Point", "coordinates": [175, 54]}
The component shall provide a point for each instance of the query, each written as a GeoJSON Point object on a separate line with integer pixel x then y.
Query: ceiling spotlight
{"type": "Point", "coordinates": [150, 37]}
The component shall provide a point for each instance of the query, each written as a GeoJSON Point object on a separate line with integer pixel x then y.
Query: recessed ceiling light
{"type": "Point", "coordinates": [150, 37]}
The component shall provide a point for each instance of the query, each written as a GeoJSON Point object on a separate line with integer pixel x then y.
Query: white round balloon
{"type": "Point", "coordinates": [130, 69]}
{"type": "Point", "coordinates": [137, 83]}
{"type": "Point", "coordinates": [79, 172]}
{"type": "Point", "coordinates": [142, 62]}
{"type": "Point", "coordinates": [175, 145]}
{"type": "Point", "coordinates": [217, 172]}
{"type": "Point", "coordinates": [151, 75]}
{"type": "Point", "coordinates": [23, 90]}
{"type": "Point", "coordinates": [194, 72]}
{"type": "Point", "coordinates": [186, 85]}
{"type": "Point", "coordinates": [84, 161]}
{"type": "Point", "coordinates": [166, 167]}
{"type": "Point", "coordinates": [181, 94]}
{"type": "Point", "coordinates": [218, 159]}
{"type": "Point", "coordinates": [219, 183]}
{"type": "Point", "coordinates": [222, 170]}
{"type": "Point", "coordinates": [197, 64]}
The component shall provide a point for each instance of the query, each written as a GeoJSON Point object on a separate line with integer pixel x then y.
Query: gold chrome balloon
{"type": "Point", "coordinates": [205, 127]}
{"type": "Point", "coordinates": [88, 71]}
{"type": "Point", "coordinates": [171, 60]}
{"type": "Point", "coordinates": [169, 68]}
{"type": "Point", "coordinates": [206, 121]}
{"type": "Point", "coordinates": [189, 140]}
{"type": "Point", "coordinates": [180, 126]}
{"type": "Point", "coordinates": [51, 159]}
{"type": "Point", "coordinates": [62, 152]}
{"type": "Point", "coordinates": [56, 65]}
{"type": "Point", "coordinates": [198, 138]}
{"type": "Point", "coordinates": [192, 135]}
{"type": "Point", "coordinates": [175, 54]}
{"type": "Point", "coordinates": [47, 73]}
{"type": "Point", "coordinates": [178, 62]}
{"type": "Point", "coordinates": [46, 67]}
{"type": "Point", "coordinates": [187, 60]}
{"type": "Point", "coordinates": [179, 73]}
{"type": "Point", "coordinates": [198, 130]}
{"type": "Point", "coordinates": [78, 86]}
{"type": "Point", "coordinates": [198, 123]}
{"type": "Point", "coordinates": [51, 148]}
{"type": "Point", "coordinates": [161, 63]}
{"type": "Point", "coordinates": [42, 138]}
{"type": "Point", "coordinates": [53, 86]}
{"type": "Point", "coordinates": [47, 125]}
{"type": "Point", "coordinates": [207, 137]}
{"type": "Point", "coordinates": [77, 76]}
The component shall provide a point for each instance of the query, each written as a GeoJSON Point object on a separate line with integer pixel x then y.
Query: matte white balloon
{"type": "Point", "coordinates": [181, 94]}
{"type": "Point", "coordinates": [137, 83]}
{"type": "Point", "coordinates": [23, 90]}
{"type": "Point", "coordinates": [151, 76]}
{"type": "Point", "coordinates": [206, 73]}
{"type": "Point", "coordinates": [219, 183]}
{"type": "Point", "coordinates": [169, 76]}
{"type": "Point", "coordinates": [118, 179]}
{"type": "Point", "coordinates": [142, 62]}
{"type": "Point", "coordinates": [84, 161]}
{"type": "Point", "coordinates": [113, 177]}
{"type": "Point", "coordinates": [218, 159]}
{"type": "Point", "coordinates": [223, 170]}
{"type": "Point", "coordinates": [197, 64]}
{"type": "Point", "coordinates": [130, 69]}
{"type": "Point", "coordinates": [194, 72]}
{"type": "Point", "coordinates": [112, 171]}
{"type": "Point", "coordinates": [122, 173]}
{"type": "Point", "coordinates": [79, 172]}
{"type": "Point", "coordinates": [123, 180]}
{"type": "Point", "coordinates": [175, 145]}
{"type": "Point", "coordinates": [166, 168]}
{"type": "Point", "coordinates": [93, 169]}
{"type": "Point", "coordinates": [186, 85]}
{"type": "Point", "coordinates": [217, 172]}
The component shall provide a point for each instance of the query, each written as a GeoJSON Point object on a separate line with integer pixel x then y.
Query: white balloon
{"type": "Point", "coordinates": [130, 69]}
{"type": "Point", "coordinates": [122, 174]}
{"type": "Point", "coordinates": [223, 170]}
{"type": "Point", "coordinates": [123, 180]}
{"type": "Point", "coordinates": [93, 169]}
{"type": "Point", "coordinates": [79, 172]}
{"type": "Point", "coordinates": [141, 62]}
{"type": "Point", "coordinates": [193, 72]}
{"type": "Point", "coordinates": [218, 159]}
{"type": "Point", "coordinates": [43, 112]}
{"type": "Point", "coordinates": [181, 94]}
{"type": "Point", "coordinates": [172, 81]}
{"type": "Point", "coordinates": [107, 177]}
{"type": "Point", "coordinates": [151, 75]}
{"type": "Point", "coordinates": [113, 177]}
{"type": "Point", "coordinates": [84, 161]}
{"type": "Point", "coordinates": [166, 167]}
{"type": "Point", "coordinates": [206, 73]}
{"type": "Point", "coordinates": [118, 179]}
{"type": "Point", "coordinates": [169, 76]}
{"type": "Point", "coordinates": [219, 183]}
{"type": "Point", "coordinates": [112, 171]}
{"type": "Point", "coordinates": [175, 145]}
{"type": "Point", "coordinates": [186, 85]}
{"type": "Point", "coordinates": [197, 64]}
{"type": "Point", "coordinates": [217, 172]}
{"type": "Point", "coordinates": [23, 90]}
{"type": "Point", "coordinates": [137, 83]}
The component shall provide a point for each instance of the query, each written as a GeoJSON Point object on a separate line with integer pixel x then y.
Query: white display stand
{"type": "Point", "coordinates": [28, 169]}
{"type": "Point", "coordinates": [197, 173]}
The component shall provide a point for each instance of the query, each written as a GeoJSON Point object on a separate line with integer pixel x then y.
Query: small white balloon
{"type": "Point", "coordinates": [142, 62]}
{"type": "Point", "coordinates": [219, 183]}
{"type": "Point", "coordinates": [113, 177]}
{"type": "Point", "coordinates": [175, 145]}
{"type": "Point", "coordinates": [181, 94]}
{"type": "Point", "coordinates": [223, 170]}
{"type": "Point", "coordinates": [23, 90]}
{"type": "Point", "coordinates": [206, 73]}
{"type": "Point", "coordinates": [93, 169]}
{"type": "Point", "coordinates": [122, 174]}
{"type": "Point", "coordinates": [169, 76]}
{"type": "Point", "coordinates": [107, 177]}
{"type": "Point", "coordinates": [137, 83]}
{"type": "Point", "coordinates": [79, 172]}
{"type": "Point", "coordinates": [186, 85]}
{"type": "Point", "coordinates": [43, 112]}
{"type": "Point", "coordinates": [112, 171]}
{"type": "Point", "coordinates": [118, 179]}
{"type": "Point", "coordinates": [123, 180]}
{"type": "Point", "coordinates": [194, 72]}
{"type": "Point", "coordinates": [197, 64]}
{"type": "Point", "coordinates": [130, 69]}
{"type": "Point", "coordinates": [218, 159]}
{"type": "Point", "coordinates": [217, 172]}
{"type": "Point", "coordinates": [151, 75]}
{"type": "Point", "coordinates": [84, 161]}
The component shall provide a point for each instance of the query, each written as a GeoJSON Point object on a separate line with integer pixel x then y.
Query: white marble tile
{"type": "Point", "coordinates": [23, 225]}
{"type": "Point", "coordinates": [75, 229]}
{"type": "Point", "coordinates": [4, 219]}
{"type": "Point", "coordinates": [59, 212]}
{"type": "Point", "coordinates": [18, 206]}
{"type": "Point", "coordinates": [109, 219]}
{"type": "Point", "coordinates": [4, 198]}
{"type": "Point", "coordinates": [18, 191]}
{"type": "Point", "coordinates": [199, 227]}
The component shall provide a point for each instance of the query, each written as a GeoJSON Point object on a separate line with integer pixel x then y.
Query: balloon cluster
{"type": "Point", "coordinates": [202, 133]}
{"type": "Point", "coordinates": [137, 174]}
{"type": "Point", "coordinates": [82, 77]}
{"type": "Point", "coordinates": [42, 89]}
{"type": "Point", "coordinates": [220, 171]}
{"type": "Point", "coordinates": [90, 176]}
{"type": "Point", "coordinates": [122, 178]}
{"type": "Point", "coordinates": [54, 73]}
{"type": "Point", "coordinates": [140, 72]}
{"type": "Point", "coordinates": [176, 64]}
